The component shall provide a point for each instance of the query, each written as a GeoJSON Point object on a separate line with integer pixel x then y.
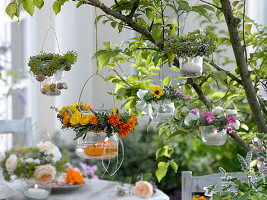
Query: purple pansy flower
{"type": "Point", "coordinates": [209, 117]}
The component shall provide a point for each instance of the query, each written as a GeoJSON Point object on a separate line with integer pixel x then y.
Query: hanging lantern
{"type": "Point", "coordinates": [191, 67]}
{"type": "Point", "coordinates": [161, 111]}
{"type": "Point", "coordinates": [97, 146]}
{"type": "Point", "coordinates": [211, 136]}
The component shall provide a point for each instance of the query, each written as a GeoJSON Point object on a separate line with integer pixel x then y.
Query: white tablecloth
{"type": "Point", "coordinates": [93, 190]}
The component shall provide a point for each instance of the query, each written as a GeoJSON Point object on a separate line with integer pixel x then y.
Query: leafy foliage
{"type": "Point", "coordinates": [49, 63]}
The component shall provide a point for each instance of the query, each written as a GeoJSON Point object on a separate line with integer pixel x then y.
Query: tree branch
{"type": "Point", "coordinates": [232, 24]}
{"type": "Point", "coordinates": [129, 21]}
{"type": "Point", "coordinates": [134, 8]}
{"type": "Point", "coordinates": [216, 66]}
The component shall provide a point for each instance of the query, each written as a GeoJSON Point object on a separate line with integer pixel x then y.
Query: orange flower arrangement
{"type": "Point", "coordinates": [73, 176]}
{"type": "Point", "coordinates": [113, 119]}
{"type": "Point", "coordinates": [76, 117]}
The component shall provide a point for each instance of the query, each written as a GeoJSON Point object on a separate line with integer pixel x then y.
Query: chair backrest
{"type": "Point", "coordinates": [21, 128]}
{"type": "Point", "coordinates": [195, 184]}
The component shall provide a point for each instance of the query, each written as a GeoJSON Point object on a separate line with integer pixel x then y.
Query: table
{"type": "Point", "coordinates": [93, 190]}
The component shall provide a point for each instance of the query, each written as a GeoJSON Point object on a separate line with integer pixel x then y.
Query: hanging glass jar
{"type": "Point", "coordinates": [191, 67]}
{"type": "Point", "coordinates": [161, 111]}
{"type": "Point", "coordinates": [211, 136]}
{"type": "Point", "coordinates": [97, 146]}
{"type": "Point", "coordinates": [53, 85]}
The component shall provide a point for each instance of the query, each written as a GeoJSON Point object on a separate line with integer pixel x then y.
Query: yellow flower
{"type": "Point", "coordinates": [85, 120]}
{"type": "Point", "coordinates": [115, 110]}
{"type": "Point", "coordinates": [72, 108]}
{"type": "Point", "coordinates": [75, 118]}
{"type": "Point", "coordinates": [157, 91]}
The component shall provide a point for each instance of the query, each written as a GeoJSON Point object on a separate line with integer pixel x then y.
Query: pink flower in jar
{"type": "Point", "coordinates": [231, 119]}
{"type": "Point", "coordinates": [229, 129]}
{"type": "Point", "coordinates": [261, 165]}
{"type": "Point", "coordinates": [209, 117]}
{"type": "Point", "coordinates": [195, 111]}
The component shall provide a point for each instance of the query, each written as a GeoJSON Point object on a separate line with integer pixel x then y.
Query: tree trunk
{"type": "Point", "coordinates": [232, 24]}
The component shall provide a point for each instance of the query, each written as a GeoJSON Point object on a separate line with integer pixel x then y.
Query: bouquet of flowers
{"type": "Point", "coordinates": [83, 119]}
{"type": "Point", "coordinates": [219, 118]}
{"type": "Point", "coordinates": [40, 163]}
{"type": "Point", "coordinates": [255, 185]}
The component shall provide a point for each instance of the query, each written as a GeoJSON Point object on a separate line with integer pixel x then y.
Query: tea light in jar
{"type": "Point", "coordinates": [100, 148]}
{"type": "Point", "coordinates": [191, 67]}
{"type": "Point", "coordinates": [36, 193]}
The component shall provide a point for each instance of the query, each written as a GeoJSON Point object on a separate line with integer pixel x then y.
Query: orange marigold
{"type": "Point", "coordinates": [93, 120]}
{"type": "Point", "coordinates": [200, 198]}
{"type": "Point", "coordinates": [73, 176]}
{"type": "Point", "coordinates": [86, 106]}
{"type": "Point", "coordinates": [132, 122]}
{"type": "Point", "coordinates": [124, 129]}
{"type": "Point", "coordinates": [113, 119]}
{"type": "Point", "coordinates": [66, 119]}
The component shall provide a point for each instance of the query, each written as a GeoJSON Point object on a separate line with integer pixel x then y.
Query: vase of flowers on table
{"type": "Point", "coordinates": [214, 125]}
{"type": "Point", "coordinates": [190, 49]}
{"type": "Point", "coordinates": [35, 166]}
{"type": "Point", "coordinates": [159, 101]}
{"type": "Point", "coordinates": [48, 69]}
{"type": "Point", "coordinates": [97, 131]}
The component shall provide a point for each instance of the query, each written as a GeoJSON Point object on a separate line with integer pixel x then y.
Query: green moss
{"type": "Point", "coordinates": [191, 45]}
{"type": "Point", "coordinates": [48, 63]}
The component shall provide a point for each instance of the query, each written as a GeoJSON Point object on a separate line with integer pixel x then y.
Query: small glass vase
{"type": "Point", "coordinates": [97, 146]}
{"type": "Point", "coordinates": [161, 111]}
{"type": "Point", "coordinates": [191, 67]}
{"type": "Point", "coordinates": [53, 85]}
{"type": "Point", "coordinates": [211, 136]}
{"type": "Point", "coordinates": [33, 190]}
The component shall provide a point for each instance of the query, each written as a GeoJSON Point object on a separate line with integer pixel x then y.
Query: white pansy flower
{"type": "Point", "coordinates": [236, 124]}
{"type": "Point", "coordinates": [231, 112]}
{"type": "Point", "coordinates": [55, 152]}
{"type": "Point", "coordinates": [141, 93]}
{"type": "Point", "coordinates": [218, 110]}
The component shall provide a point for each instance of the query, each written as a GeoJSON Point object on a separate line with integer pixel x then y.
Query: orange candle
{"type": "Point", "coordinates": [100, 148]}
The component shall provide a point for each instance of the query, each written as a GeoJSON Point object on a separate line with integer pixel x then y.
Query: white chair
{"type": "Point", "coordinates": [195, 184]}
{"type": "Point", "coordinates": [21, 128]}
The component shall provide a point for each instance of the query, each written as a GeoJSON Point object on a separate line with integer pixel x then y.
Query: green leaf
{"type": "Point", "coordinates": [28, 6]}
{"type": "Point", "coordinates": [216, 197]}
{"type": "Point", "coordinates": [11, 9]}
{"type": "Point", "coordinates": [38, 3]}
{"type": "Point", "coordinates": [147, 176]}
{"type": "Point", "coordinates": [183, 5]}
{"type": "Point", "coordinates": [161, 171]}
{"type": "Point", "coordinates": [248, 28]}
{"type": "Point", "coordinates": [81, 3]}
{"type": "Point", "coordinates": [174, 166]}
{"type": "Point", "coordinates": [164, 151]}
{"type": "Point", "coordinates": [157, 32]}
{"type": "Point", "coordinates": [56, 7]}
{"type": "Point", "coordinates": [202, 11]}
{"type": "Point", "coordinates": [167, 81]}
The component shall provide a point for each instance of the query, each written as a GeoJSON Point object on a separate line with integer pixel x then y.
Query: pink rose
{"type": "Point", "coordinates": [209, 117]}
{"type": "Point", "coordinates": [45, 173]}
{"type": "Point", "coordinates": [143, 189]}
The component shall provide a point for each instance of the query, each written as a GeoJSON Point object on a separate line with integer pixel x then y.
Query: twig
{"type": "Point", "coordinates": [121, 77]}
{"type": "Point", "coordinates": [134, 8]}
{"type": "Point", "coordinates": [216, 66]}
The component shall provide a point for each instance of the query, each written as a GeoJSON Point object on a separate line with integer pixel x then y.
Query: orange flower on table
{"type": "Point", "coordinates": [85, 120]}
{"type": "Point", "coordinates": [113, 119]}
{"type": "Point", "coordinates": [132, 122]}
{"type": "Point", "coordinates": [75, 118]}
{"type": "Point", "coordinates": [66, 119]}
{"type": "Point", "coordinates": [200, 198]}
{"type": "Point", "coordinates": [86, 106]}
{"type": "Point", "coordinates": [124, 129]}
{"type": "Point", "coordinates": [93, 120]}
{"type": "Point", "coordinates": [73, 176]}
